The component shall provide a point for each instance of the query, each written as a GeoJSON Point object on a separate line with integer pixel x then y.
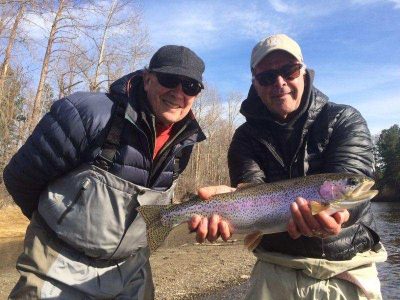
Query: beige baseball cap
{"type": "Point", "coordinates": [272, 43]}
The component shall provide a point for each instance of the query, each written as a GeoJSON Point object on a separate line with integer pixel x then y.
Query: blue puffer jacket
{"type": "Point", "coordinates": [74, 130]}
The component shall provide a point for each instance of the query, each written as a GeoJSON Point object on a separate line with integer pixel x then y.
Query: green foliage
{"type": "Point", "coordinates": [388, 166]}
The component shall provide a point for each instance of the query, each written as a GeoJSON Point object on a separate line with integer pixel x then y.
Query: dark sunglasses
{"type": "Point", "coordinates": [288, 72]}
{"type": "Point", "coordinates": [190, 87]}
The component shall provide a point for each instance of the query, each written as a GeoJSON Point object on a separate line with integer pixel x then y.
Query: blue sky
{"type": "Point", "coordinates": [353, 45]}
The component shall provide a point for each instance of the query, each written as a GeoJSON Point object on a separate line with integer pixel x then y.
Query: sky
{"type": "Point", "coordinates": [352, 45]}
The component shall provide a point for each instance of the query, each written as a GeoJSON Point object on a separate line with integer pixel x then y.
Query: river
{"type": "Point", "coordinates": [387, 216]}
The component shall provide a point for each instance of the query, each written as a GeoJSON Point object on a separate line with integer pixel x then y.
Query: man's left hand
{"type": "Point", "coordinates": [320, 225]}
{"type": "Point", "coordinates": [213, 227]}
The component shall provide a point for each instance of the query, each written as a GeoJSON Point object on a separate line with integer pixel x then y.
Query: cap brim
{"type": "Point", "coordinates": [178, 71]}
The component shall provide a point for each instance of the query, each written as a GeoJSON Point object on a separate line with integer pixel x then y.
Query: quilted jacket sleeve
{"type": "Point", "coordinates": [243, 165]}
{"type": "Point", "coordinates": [54, 148]}
{"type": "Point", "coordinates": [350, 147]}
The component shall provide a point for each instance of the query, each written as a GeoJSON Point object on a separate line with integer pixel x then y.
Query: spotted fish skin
{"type": "Point", "coordinates": [264, 207]}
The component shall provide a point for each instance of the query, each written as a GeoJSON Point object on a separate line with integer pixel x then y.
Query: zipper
{"type": "Point", "coordinates": [172, 143]}
{"type": "Point", "coordinates": [84, 186]}
{"type": "Point", "coordinates": [274, 153]}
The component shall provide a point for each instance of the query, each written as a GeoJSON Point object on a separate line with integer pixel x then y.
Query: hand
{"type": "Point", "coordinates": [211, 228]}
{"type": "Point", "coordinates": [321, 225]}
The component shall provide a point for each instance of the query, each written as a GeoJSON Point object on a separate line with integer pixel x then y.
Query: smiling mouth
{"type": "Point", "coordinates": [171, 104]}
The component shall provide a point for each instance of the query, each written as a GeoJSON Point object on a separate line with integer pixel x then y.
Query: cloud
{"type": "Point", "coordinates": [211, 25]}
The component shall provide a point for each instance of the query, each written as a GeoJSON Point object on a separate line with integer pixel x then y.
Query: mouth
{"type": "Point", "coordinates": [362, 193]}
{"type": "Point", "coordinates": [171, 103]}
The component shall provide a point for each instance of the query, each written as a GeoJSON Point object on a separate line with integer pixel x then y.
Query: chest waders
{"type": "Point", "coordinates": [87, 239]}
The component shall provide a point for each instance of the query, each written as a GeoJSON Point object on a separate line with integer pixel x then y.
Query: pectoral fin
{"type": "Point", "coordinates": [252, 240]}
{"type": "Point", "coordinates": [317, 207]}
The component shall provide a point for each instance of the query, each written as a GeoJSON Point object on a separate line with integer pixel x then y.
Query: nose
{"type": "Point", "coordinates": [280, 81]}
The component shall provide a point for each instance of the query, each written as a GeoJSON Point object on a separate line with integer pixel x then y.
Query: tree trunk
{"type": "Point", "coordinates": [43, 75]}
{"type": "Point", "coordinates": [95, 83]}
{"type": "Point", "coordinates": [10, 44]}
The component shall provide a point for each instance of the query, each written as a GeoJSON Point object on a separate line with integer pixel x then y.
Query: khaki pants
{"type": "Point", "coordinates": [51, 270]}
{"type": "Point", "coordinates": [278, 276]}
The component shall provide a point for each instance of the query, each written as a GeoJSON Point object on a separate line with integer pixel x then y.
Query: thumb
{"type": "Point", "coordinates": [206, 193]}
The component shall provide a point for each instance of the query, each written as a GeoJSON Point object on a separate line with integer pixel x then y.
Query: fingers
{"type": "Point", "coordinates": [213, 233]}
{"type": "Point", "coordinates": [194, 222]}
{"type": "Point", "coordinates": [209, 191]}
{"type": "Point", "coordinates": [225, 230]}
{"type": "Point", "coordinates": [292, 230]}
{"type": "Point", "coordinates": [202, 230]}
{"type": "Point", "coordinates": [209, 229]}
{"type": "Point", "coordinates": [333, 224]}
{"type": "Point", "coordinates": [302, 217]}
{"type": "Point", "coordinates": [321, 225]}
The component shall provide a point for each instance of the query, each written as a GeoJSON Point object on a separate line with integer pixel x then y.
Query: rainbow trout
{"type": "Point", "coordinates": [263, 208]}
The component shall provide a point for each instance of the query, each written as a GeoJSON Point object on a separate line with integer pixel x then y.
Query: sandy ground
{"type": "Point", "coordinates": [182, 269]}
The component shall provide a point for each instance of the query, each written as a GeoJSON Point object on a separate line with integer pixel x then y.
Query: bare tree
{"type": "Point", "coordinates": [115, 43]}
{"type": "Point", "coordinates": [11, 42]}
{"type": "Point", "coordinates": [61, 29]}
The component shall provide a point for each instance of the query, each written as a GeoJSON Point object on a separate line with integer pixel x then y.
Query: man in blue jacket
{"type": "Point", "coordinates": [89, 163]}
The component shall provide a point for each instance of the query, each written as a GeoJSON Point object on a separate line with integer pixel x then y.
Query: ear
{"type": "Point", "coordinates": [146, 81]}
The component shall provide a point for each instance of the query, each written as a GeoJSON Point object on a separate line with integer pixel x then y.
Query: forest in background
{"type": "Point", "coordinates": [89, 45]}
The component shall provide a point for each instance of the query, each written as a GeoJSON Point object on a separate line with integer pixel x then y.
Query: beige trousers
{"type": "Point", "coordinates": [279, 276]}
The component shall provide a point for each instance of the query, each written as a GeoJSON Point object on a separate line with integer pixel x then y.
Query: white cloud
{"type": "Point", "coordinates": [280, 6]}
{"type": "Point", "coordinates": [210, 25]}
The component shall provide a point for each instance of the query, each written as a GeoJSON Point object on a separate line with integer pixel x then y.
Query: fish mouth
{"type": "Point", "coordinates": [361, 193]}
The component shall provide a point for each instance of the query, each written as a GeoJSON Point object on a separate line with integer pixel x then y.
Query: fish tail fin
{"type": "Point", "coordinates": [252, 240]}
{"type": "Point", "coordinates": [156, 231]}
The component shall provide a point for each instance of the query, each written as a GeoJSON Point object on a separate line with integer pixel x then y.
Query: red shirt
{"type": "Point", "coordinates": [162, 135]}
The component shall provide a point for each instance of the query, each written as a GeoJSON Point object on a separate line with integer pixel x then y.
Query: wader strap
{"type": "Point", "coordinates": [105, 158]}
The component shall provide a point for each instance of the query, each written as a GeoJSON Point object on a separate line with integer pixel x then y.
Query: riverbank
{"type": "Point", "coordinates": [182, 269]}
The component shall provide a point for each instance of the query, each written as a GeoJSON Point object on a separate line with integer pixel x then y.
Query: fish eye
{"type": "Point", "coordinates": [353, 181]}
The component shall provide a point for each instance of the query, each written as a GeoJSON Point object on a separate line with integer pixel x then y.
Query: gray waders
{"type": "Point", "coordinates": [87, 241]}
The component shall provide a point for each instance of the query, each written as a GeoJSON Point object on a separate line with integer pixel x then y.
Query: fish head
{"type": "Point", "coordinates": [344, 191]}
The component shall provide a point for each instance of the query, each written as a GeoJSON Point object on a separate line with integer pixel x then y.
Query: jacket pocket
{"type": "Point", "coordinates": [78, 195]}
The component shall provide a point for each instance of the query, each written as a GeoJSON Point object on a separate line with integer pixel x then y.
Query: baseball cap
{"type": "Point", "coordinates": [273, 43]}
{"type": "Point", "coordinates": [177, 60]}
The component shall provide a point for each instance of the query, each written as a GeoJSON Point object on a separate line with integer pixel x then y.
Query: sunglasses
{"type": "Point", "coordinates": [190, 87]}
{"type": "Point", "coordinates": [288, 72]}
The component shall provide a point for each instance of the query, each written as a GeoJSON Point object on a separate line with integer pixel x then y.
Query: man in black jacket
{"type": "Point", "coordinates": [292, 130]}
{"type": "Point", "coordinates": [89, 163]}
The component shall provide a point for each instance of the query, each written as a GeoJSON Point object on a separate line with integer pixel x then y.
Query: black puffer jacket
{"type": "Point", "coordinates": [329, 138]}
{"type": "Point", "coordinates": [74, 130]}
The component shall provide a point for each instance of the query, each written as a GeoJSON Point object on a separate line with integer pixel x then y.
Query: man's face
{"type": "Point", "coordinates": [170, 105]}
{"type": "Point", "coordinates": [283, 97]}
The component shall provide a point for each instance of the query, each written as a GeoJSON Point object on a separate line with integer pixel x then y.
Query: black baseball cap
{"type": "Point", "coordinates": [177, 60]}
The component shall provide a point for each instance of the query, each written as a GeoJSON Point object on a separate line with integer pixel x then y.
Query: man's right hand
{"type": "Point", "coordinates": [211, 228]}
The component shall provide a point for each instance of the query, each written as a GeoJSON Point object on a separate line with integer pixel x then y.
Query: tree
{"type": "Point", "coordinates": [11, 41]}
{"type": "Point", "coordinates": [388, 146]}
{"type": "Point", "coordinates": [114, 42]}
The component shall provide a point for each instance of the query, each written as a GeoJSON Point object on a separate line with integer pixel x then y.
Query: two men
{"type": "Point", "coordinates": [292, 130]}
{"type": "Point", "coordinates": [89, 163]}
